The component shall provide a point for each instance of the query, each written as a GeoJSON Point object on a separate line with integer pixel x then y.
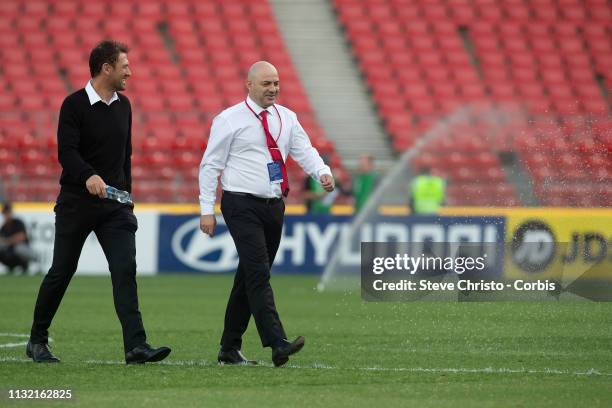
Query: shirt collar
{"type": "Point", "coordinates": [94, 97]}
{"type": "Point", "coordinates": [256, 108]}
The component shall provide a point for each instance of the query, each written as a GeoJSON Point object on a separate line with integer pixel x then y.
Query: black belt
{"type": "Point", "coordinates": [273, 200]}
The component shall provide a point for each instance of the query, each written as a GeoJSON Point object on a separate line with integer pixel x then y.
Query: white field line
{"type": "Point", "coordinates": [18, 336]}
{"type": "Point", "coordinates": [14, 335]}
{"type": "Point", "coordinates": [15, 360]}
{"type": "Point", "coordinates": [11, 345]}
{"type": "Point", "coordinates": [320, 366]}
{"type": "Point", "coordinates": [182, 363]}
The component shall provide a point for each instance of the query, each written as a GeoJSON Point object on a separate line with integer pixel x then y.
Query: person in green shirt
{"type": "Point", "coordinates": [319, 201]}
{"type": "Point", "coordinates": [365, 181]}
{"type": "Point", "coordinates": [427, 193]}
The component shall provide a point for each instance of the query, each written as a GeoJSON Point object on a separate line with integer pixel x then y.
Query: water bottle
{"type": "Point", "coordinates": [118, 195]}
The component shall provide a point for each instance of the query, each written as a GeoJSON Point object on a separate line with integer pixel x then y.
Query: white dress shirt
{"type": "Point", "coordinates": [94, 97]}
{"type": "Point", "coordinates": [237, 147]}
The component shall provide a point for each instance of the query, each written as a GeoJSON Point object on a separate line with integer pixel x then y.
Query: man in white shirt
{"type": "Point", "coordinates": [249, 143]}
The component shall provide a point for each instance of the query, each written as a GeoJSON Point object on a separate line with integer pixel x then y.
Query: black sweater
{"type": "Point", "coordinates": [95, 139]}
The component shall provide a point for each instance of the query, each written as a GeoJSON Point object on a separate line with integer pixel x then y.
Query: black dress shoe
{"type": "Point", "coordinates": [146, 354]}
{"type": "Point", "coordinates": [234, 357]}
{"type": "Point", "coordinates": [280, 354]}
{"type": "Point", "coordinates": [40, 353]}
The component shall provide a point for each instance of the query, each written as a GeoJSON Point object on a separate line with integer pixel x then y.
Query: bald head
{"type": "Point", "coordinates": [259, 68]}
{"type": "Point", "coordinates": [263, 83]}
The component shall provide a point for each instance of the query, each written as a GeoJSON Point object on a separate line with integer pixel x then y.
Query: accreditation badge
{"type": "Point", "coordinates": [275, 173]}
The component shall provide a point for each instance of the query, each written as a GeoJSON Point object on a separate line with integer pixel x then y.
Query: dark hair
{"type": "Point", "coordinates": [7, 207]}
{"type": "Point", "coordinates": [106, 51]}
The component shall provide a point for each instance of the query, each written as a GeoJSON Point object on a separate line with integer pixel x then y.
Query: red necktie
{"type": "Point", "coordinates": [275, 152]}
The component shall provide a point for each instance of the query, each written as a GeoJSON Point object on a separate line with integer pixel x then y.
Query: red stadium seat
{"type": "Point", "coordinates": [539, 61]}
{"type": "Point", "coordinates": [539, 53]}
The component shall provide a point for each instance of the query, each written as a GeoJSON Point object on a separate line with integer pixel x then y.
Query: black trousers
{"type": "Point", "coordinates": [11, 260]}
{"type": "Point", "coordinates": [76, 215]}
{"type": "Point", "coordinates": [255, 226]}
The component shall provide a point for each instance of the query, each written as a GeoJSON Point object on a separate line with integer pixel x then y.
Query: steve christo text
{"type": "Point", "coordinates": [464, 285]}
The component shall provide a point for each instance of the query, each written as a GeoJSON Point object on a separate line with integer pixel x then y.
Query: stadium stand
{"type": "Point", "coordinates": [188, 58]}
{"type": "Point", "coordinates": [422, 59]}
{"type": "Point", "coordinates": [425, 59]}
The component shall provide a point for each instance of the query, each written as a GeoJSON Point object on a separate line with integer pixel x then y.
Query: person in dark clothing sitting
{"type": "Point", "coordinates": [15, 251]}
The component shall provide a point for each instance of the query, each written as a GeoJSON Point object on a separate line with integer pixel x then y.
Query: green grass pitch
{"type": "Point", "coordinates": [422, 354]}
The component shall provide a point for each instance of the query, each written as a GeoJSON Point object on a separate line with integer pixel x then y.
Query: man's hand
{"type": "Point", "coordinates": [96, 186]}
{"type": "Point", "coordinates": [208, 223]}
{"type": "Point", "coordinates": [327, 182]}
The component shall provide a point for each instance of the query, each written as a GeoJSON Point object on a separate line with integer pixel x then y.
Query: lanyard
{"type": "Point", "coordinates": [260, 120]}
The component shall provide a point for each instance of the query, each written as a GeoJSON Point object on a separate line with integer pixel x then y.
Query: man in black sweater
{"type": "Point", "coordinates": [94, 149]}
